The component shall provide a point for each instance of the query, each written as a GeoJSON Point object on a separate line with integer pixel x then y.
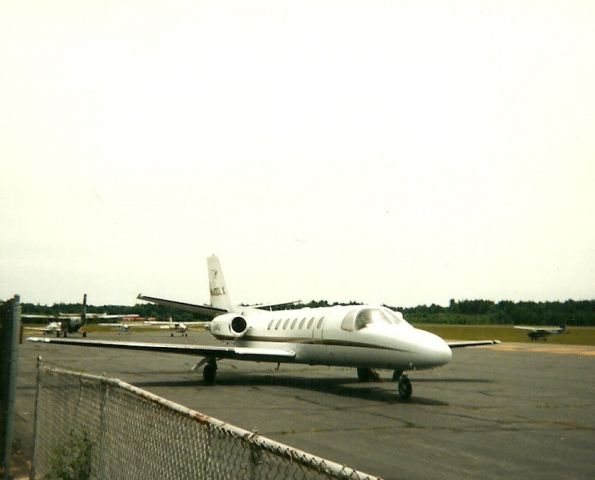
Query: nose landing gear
{"type": "Point", "coordinates": [404, 387]}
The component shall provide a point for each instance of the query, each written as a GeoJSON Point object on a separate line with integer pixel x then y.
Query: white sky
{"type": "Point", "coordinates": [402, 152]}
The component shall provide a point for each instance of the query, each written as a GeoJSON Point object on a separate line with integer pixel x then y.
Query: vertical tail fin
{"type": "Point", "coordinates": [217, 287]}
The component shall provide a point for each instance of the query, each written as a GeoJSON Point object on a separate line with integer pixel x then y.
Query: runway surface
{"type": "Point", "coordinates": [508, 411]}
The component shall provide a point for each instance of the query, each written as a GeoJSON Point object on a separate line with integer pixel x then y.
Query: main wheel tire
{"type": "Point", "coordinates": [209, 373]}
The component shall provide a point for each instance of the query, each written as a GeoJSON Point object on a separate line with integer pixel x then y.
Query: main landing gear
{"type": "Point", "coordinates": [365, 374]}
{"type": "Point", "coordinates": [209, 372]}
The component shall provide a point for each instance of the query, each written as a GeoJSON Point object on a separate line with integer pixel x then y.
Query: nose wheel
{"type": "Point", "coordinates": [404, 387]}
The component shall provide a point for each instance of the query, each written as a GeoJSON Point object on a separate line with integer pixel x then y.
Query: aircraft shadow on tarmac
{"type": "Point", "coordinates": [452, 380]}
{"type": "Point", "coordinates": [385, 391]}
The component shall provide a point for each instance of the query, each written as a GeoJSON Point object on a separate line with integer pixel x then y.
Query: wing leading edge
{"type": "Point", "coordinates": [234, 353]}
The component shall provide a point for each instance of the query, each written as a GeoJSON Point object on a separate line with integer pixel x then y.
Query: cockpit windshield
{"type": "Point", "coordinates": [358, 319]}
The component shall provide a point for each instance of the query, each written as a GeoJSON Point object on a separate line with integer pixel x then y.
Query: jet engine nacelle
{"type": "Point", "coordinates": [229, 324]}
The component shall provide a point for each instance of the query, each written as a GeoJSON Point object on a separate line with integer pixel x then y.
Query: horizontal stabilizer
{"type": "Point", "coordinates": [472, 343]}
{"type": "Point", "coordinates": [270, 306]}
{"type": "Point", "coordinates": [235, 353]}
{"type": "Point", "coordinates": [189, 307]}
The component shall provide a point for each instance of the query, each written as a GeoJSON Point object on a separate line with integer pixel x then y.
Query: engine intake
{"type": "Point", "coordinates": [238, 325]}
{"type": "Point", "coordinates": [229, 325]}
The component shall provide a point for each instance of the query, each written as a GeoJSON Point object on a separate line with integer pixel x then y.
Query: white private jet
{"type": "Point", "coordinates": [361, 336]}
{"type": "Point", "coordinates": [66, 323]}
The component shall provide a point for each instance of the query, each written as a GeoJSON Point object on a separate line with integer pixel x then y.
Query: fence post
{"type": "Point", "coordinates": [36, 417]}
{"type": "Point", "coordinates": [10, 326]}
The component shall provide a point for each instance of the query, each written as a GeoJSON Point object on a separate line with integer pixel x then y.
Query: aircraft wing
{"type": "Point", "coordinates": [472, 343]}
{"type": "Point", "coordinates": [235, 353]}
{"type": "Point", "coordinates": [172, 323]}
{"type": "Point", "coordinates": [31, 315]}
{"type": "Point", "coordinates": [540, 329]}
{"type": "Point", "coordinates": [122, 324]}
{"type": "Point", "coordinates": [39, 329]}
{"type": "Point", "coordinates": [189, 307]}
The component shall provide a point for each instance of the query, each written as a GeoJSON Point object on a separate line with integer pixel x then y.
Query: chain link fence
{"type": "Point", "coordinates": [89, 426]}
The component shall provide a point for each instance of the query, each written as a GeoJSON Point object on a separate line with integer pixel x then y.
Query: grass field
{"type": "Point", "coordinates": [505, 333]}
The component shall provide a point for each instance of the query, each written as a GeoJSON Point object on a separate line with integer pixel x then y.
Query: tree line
{"type": "Point", "coordinates": [505, 312]}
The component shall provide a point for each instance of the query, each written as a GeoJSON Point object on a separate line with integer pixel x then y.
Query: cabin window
{"type": "Point", "coordinates": [302, 323]}
{"type": "Point", "coordinates": [286, 323]}
{"type": "Point", "coordinates": [271, 324]}
{"type": "Point", "coordinates": [319, 325]}
{"type": "Point", "coordinates": [278, 324]}
{"type": "Point", "coordinates": [293, 323]}
{"type": "Point", "coordinates": [310, 323]}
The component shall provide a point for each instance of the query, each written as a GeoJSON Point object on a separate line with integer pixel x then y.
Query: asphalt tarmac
{"type": "Point", "coordinates": [508, 411]}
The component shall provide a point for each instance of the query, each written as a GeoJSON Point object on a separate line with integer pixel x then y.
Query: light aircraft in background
{"type": "Point", "coordinates": [54, 327]}
{"type": "Point", "coordinates": [541, 333]}
{"type": "Point", "coordinates": [65, 323]}
{"type": "Point", "coordinates": [171, 326]}
{"type": "Point", "coordinates": [366, 337]}
{"type": "Point", "coordinates": [123, 327]}
{"type": "Point", "coordinates": [174, 327]}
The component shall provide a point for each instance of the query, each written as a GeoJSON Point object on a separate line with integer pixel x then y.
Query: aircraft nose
{"type": "Point", "coordinates": [437, 350]}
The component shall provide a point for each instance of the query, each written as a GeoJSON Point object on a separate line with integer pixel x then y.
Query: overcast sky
{"type": "Point", "coordinates": [399, 152]}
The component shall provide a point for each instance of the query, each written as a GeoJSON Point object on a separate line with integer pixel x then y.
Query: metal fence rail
{"type": "Point", "coordinates": [89, 426]}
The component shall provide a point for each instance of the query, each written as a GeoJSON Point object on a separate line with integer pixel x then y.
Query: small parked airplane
{"type": "Point", "coordinates": [537, 333]}
{"type": "Point", "coordinates": [51, 327]}
{"type": "Point", "coordinates": [362, 336]}
{"type": "Point", "coordinates": [173, 327]}
{"type": "Point", "coordinates": [66, 323]}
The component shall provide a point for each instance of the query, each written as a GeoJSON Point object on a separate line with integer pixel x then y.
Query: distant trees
{"type": "Point", "coordinates": [570, 312]}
